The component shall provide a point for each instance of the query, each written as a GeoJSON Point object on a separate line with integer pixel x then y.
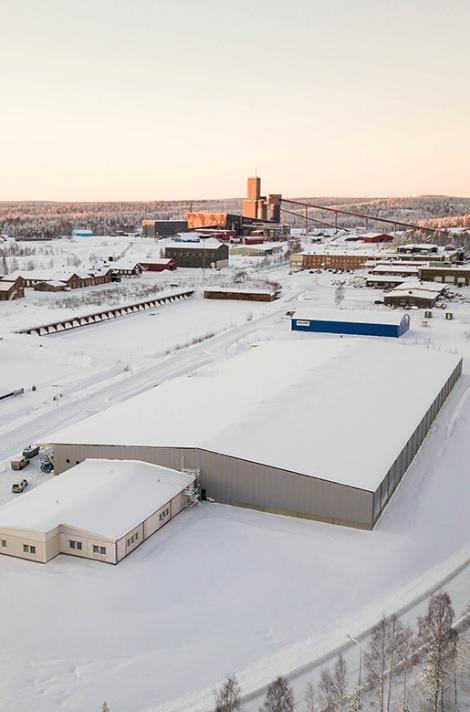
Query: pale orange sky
{"type": "Point", "coordinates": [141, 100]}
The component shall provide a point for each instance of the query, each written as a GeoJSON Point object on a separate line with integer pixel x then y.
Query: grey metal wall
{"type": "Point", "coordinates": [243, 483]}
{"type": "Point", "coordinates": [395, 474]}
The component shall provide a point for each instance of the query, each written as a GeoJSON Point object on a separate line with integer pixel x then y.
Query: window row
{"type": "Point", "coordinates": [163, 515]}
{"type": "Point", "coordinates": [101, 550]}
{"type": "Point", "coordinates": [29, 549]}
{"type": "Point", "coordinates": [75, 544]}
{"type": "Point", "coordinates": [132, 539]}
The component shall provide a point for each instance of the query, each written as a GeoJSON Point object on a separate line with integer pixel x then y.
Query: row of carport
{"type": "Point", "coordinates": [104, 315]}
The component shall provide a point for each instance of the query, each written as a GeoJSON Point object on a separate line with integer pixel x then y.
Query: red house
{"type": "Point", "coordinates": [158, 265]}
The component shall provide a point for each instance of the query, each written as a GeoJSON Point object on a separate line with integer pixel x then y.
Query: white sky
{"type": "Point", "coordinates": [150, 99]}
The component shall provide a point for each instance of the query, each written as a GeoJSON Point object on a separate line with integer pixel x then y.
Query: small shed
{"type": "Point", "coordinates": [244, 293]}
{"type": "Point", "coordinates": [342, 321]}
{"type": "Point", "coordinates": [11, 289]}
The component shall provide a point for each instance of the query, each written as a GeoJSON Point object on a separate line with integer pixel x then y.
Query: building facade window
{"type": "Point", "coordinates": [73, 544]}
{"type": "Point", "coordinates": [4, 543]}
{"type": "Point", "coordinates": [96, 549]}
{"type": "Point", "coordinates": [103, 550]}
{"type": "Point", "coordinates": [29, 549]}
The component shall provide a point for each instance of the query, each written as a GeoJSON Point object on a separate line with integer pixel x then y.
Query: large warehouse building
{"type": "Point", "coordinates": [321, 428]}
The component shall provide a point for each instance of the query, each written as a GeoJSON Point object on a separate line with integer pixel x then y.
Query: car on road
{"type": "Point", "coordinates": [18, 487]}
{"type": "Point", "coordinates": [378, 301]}
{"type": "Point", "coordinates": [19, 462]}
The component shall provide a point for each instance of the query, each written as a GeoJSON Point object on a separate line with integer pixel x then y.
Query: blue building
{"type": "Point", "coordinates": [360, 323]}
{"type": "Point", "coordinates": [82, 233]}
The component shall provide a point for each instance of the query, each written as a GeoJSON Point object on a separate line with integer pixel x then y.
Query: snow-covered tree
{"type": "Point", "coordinates": [339, 295]}
{"type": "Point", "coordinates": [279, 697]}
{"type": "Point", "coordinates": [438, 642]}
{"type": "Point", "coordinates": [228, 697]}
{"type": "Point", "coordinates": [310, 698]}
{"type": "Point", "coordinates": [340, 682]}
{"type": "Point", "coordinates": [327, 692]}
{"type": "Point", "coordinates": [382, 659]}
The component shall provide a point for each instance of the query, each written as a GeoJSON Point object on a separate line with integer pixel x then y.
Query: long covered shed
{"type": "Point", "coordinates": [292, 427]}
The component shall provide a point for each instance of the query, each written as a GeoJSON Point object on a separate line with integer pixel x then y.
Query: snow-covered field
{"type": "Point", "coordinates": [220, 589]}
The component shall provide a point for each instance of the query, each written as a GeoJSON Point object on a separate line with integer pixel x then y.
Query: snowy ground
{"type": "Point", "coordinates": [220, 589]}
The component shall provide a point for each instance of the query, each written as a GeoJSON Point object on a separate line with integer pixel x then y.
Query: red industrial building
{"type": "Point", "coordinates": [254, 239]}
{"type": "Point", "coordinates": [376, 237]}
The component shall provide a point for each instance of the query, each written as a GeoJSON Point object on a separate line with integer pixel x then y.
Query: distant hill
{"type": "Point", "coordinates": [52, 219]}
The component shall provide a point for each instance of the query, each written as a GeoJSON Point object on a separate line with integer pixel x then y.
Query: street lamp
{"type": "Point", "coordinates": [353, 640]}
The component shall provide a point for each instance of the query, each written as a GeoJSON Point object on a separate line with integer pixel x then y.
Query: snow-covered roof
{"type": "Point", "coordinates": [334, 408]}
{"type": "Point", "coordinates": [210, 244]}
{"type": "Point", "coordinates": [126, 263]}
{"type": "Point", "coordinates": [436, 287]}
{"type": "Point", "coordinates": [45, 275]}
{"type": "Point", "coordinates": [357, 316]}
{"type": "Point", "coordinates": [6, 286]}
{"type": "Point", "coordinates": [106, 497]}
{"type": "Point", "coordinates": [241, 290]}
{"type": "Point", "coordinates": [396, 269]}
{"type": "Point", "coordinates": [155, 261]}
{"type": "Point", "coordinates": [418, 246]}
{"type": "Point", "coordinates": [380, 278]}
{"type": "Point", "coordinates": [416, 292]}
{"type": "Point", "coordinates": [55, 283]}
{"type": "Point", "coordinates": [454, 269]}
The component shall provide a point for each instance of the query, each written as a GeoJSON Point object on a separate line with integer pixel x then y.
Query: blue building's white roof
{"type": "Point", "coordinates": [339, 409]}
{"type": "Point", "coordinates": [351, 316]}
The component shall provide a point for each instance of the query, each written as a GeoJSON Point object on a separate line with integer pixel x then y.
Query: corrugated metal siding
{"type": "Point", "coordinates": [394, 476]}
{"type": "Point", "coordinates": [245, 483]}
{"type": "Point", "coordinates": [346, 327]}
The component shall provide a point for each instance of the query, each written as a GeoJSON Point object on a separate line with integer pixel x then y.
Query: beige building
{"type": "Point", "coordinates": [99, 509]}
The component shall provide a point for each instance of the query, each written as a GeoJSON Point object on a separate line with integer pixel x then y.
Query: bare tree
{"type": "Point", "coordinates": [228, 697]}
{"type": "Point", "coordinates": [105, 707]}
{"type": "Point", "coordinates": [327, 692]}
{"type": "Point", "coordinates": [393, 650]}
{"type": "Point", "coordinates": [375, 662]}
{"type": "Point", "coordinates": [438, 642]}
{"type": "Point", "coordinates": [462, 668]}
{"type": "Point", "coordinates": [279, 697]}
{"type": "Point", "coordinates": [340, 682]}
{"type": "Point", "coordinates": [382, 659]}
{"type": "Point", "coordinates": [406, 652]}
{"type": "Point", "coordinates": [310, 699]}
